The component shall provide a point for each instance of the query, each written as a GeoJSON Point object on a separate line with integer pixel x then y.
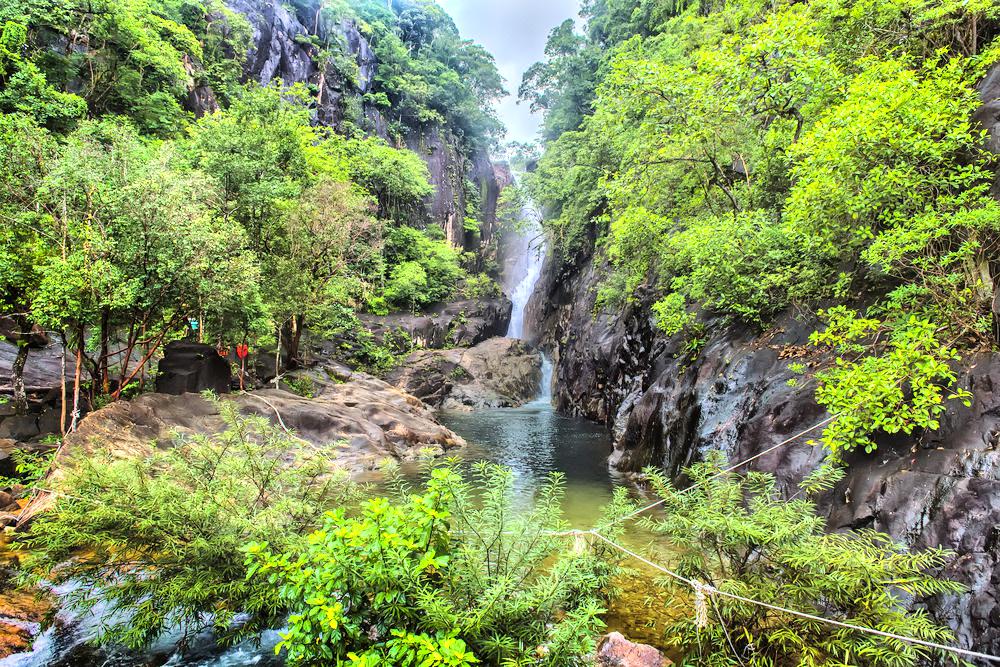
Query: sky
{"type": "Point", "coordinates": [514, 31]}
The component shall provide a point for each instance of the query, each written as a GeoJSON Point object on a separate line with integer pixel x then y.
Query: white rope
{"type": "Point", "coordinates": [730, 469]}
{"type": "Point", "coordinates": [705, 589]}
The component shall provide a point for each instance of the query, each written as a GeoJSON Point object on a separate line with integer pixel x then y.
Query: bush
{"type": "Point", "coordinates": [407, 285]}
{"type": "Point", "coordinates": [159, 541]}
{"type": "Point", "coordinates": [426, 267]}
{"type": "Point", "coordinates": [739, 535]}
{"type": "Point", "coordinates": [460, 569]}
{"type": "Point", "coordinates": [892, 387]}
{"type": "Point", "coordinates": [480, 286]}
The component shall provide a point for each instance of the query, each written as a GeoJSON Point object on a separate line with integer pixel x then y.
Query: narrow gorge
{"type": "Point", "coordinates": [317, 349]}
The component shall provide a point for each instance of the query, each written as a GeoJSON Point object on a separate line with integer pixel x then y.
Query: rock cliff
{"type": "Point", "coordinates": [283, 48]}
{"type": "Point", "coordinates": [666, 406]}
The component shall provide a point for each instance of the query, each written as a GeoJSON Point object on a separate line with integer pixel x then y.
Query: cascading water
{"type": "Point", "coordinates": [528, 250]}
{"type": "Point", "coordinates": [527, 253]}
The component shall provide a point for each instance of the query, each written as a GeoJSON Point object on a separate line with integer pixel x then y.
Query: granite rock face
{"type": "Point", "coordinates": [461, 323]}
{"type": "Point", "coordinates": [666, 407]}
{"type": "Point", "coordinates": [188, 367]}
{"type": "Point", "coordinates": [497, 373]}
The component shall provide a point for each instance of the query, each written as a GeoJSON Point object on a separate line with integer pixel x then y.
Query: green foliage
{"type": "Point", "coordinates": [480, 286]}
{"type": "Point", "coordinates": [460, 567]}
{"type": "Point", "coordinates": [741, 158]}
{"type": "Point", "coordinates": [397, 178]}
{"type": "Point", "coordinates": [425, 267]}
{"type": "Point", "coordinates": [159, 539]}
{"type": "Point", "coordinates": [428, 74]}
{"type": "Point", "coordinates": [30, 468]}
{"type": "Point", "coordinates": [901, 388]}
{"type": "Point", "coordinates": [740, 536]}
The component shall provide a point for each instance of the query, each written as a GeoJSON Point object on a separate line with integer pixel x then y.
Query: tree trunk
{"type": "Point", "coordinates": [75, 417]}
{"type": "Point", "coordinates": [277, 360]}
{"type": "Point", "coordinates": [293, 344]}
{"type": "Point", "coordinates": [102, 360]}
{"type": "Point", "coordinates": [17, 379]}
{"type": "Point", "coordinates": [62, 387]}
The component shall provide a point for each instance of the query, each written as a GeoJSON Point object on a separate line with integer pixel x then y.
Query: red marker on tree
{"type": "Point", "coordinates": [242, 352]}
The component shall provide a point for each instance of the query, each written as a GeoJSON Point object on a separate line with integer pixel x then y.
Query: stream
{"type": "Point", "coordinates": [532, 440]}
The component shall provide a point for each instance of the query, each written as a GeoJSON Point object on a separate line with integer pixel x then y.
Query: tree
{"type": "Point", "coordinates": [332, 236]}
{"type": "Point", "coordinates": [26, 153]}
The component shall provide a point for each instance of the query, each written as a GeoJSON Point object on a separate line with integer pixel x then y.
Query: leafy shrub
{"type": "Point", "coordinates": [425, 267]}
{"type": "Point", "coordinates": [480, 286]}
{"type": "Point", "coordinates": [895, 387]}
{"type": "Point", "coordinates": [461, 568]}
{"type": "Point", "coordinates": [159, 540]}
{"type": "Point", "coordinates": [739, 535]}
{"type": "Point", "coordinates": [407, 285]}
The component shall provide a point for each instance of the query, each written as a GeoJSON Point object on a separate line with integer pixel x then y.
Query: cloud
{"type": "Point", "coordinates": [514, 31]}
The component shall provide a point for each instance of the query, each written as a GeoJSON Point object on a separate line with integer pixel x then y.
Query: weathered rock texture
{"type": "Point", "coordinates": [500, 372]}
{"type": "Point", "coordinates": [462, 323]}
{"type": "Point", "coordinates": [931, 489]}
{"type": "Point", "coordinates": [616, 651]}
{"type": "Point", "coordinates": [188, 367]}
{"type": "Point", "coordinates": [356, 419]}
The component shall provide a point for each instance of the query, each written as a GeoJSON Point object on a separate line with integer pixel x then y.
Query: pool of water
{"type": "Point", "coordinates": [532, 441]}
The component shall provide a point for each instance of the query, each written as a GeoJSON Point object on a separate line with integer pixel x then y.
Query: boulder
{"type": "Point", "coordinates": [459, 323]}
{"type": "Point", "coordinates": [616, 651]}
{"type": "Point", "coordinates": [499, 372]}
{"type": "Point", "coordinates": [357, 423]}
{"type": "Point", "coordinates": [189, 367]}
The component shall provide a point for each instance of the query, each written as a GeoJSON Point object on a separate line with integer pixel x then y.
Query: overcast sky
{"type": "Point", "coordinates": [514, 31]}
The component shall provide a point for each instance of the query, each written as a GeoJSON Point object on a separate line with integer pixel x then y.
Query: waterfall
{"type": "Point", "coordinates": [545, 389]}
{"type": "Point", "coordinates": [528, 253]}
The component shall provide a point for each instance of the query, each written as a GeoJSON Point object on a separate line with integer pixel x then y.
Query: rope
{"type": "Point", "coordinates": [706, 590]}
{"type": "Point", "coordinates": [730, 469]}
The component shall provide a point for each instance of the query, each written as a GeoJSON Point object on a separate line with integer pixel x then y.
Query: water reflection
{"type": "Point", "coordinates": [534, 441]}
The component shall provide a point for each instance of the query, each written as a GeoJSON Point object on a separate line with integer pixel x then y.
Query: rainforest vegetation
{"type": "Point", "coordinates": [126, 215]}
{"type": "Point", "coordinates": [721, 161]}
{"type": "Point", "coordinates": [743, 157]}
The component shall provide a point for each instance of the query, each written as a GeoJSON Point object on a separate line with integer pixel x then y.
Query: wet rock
{"type": "Point", "coordinates": [192, 367]}
{"type": "Point", "coordinates": [460, 323]}
{"type": "Point", "coordinates": [616, 651]}
{"type": "Point", "coordinates": [22, 611]}
{"type": "Point", "coordinates": [499, 372]}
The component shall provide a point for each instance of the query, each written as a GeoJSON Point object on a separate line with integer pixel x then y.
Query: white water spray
{"type": "Point", "coordinates": [528, 253]}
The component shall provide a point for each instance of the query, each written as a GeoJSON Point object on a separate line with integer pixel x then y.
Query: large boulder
{"type": "Point", "coordinates": [357, 422]}
{"type": "Point", "coordinates": [499, 372]}
{"type": "Point", "coordinates": [616, 651]}
{"type": "Point", "coordinates": [458, 323]}
{"type": "Point", "coordinates": [189, 367]}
